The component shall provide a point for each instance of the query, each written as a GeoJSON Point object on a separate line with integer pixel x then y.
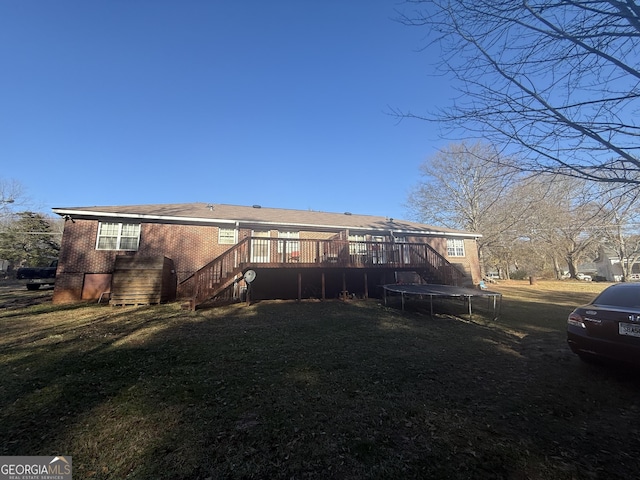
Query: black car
{"type": "Point", "coordinates": [608, 327]}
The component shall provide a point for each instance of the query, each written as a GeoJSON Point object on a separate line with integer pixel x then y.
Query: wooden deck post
{"type": "Point", "coordinates": [366, 286]}
{"type": "Point", "coordinates": [299, 286]}
{"type": "Point", "coordinates": [323, 288]}
{"type": "Point", "coordinates": [344, 286]}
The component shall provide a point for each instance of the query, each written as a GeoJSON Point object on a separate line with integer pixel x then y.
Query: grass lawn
{"type": "Point", "coordinates": [315, 390]}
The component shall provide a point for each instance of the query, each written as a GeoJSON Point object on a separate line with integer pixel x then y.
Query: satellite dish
{"type": "Point", "coordinates": [249, 276]}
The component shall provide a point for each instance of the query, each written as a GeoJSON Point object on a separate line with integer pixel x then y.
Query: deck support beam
{"type": "Point", "coordinates": [299, 286]}
{"type": "Point", "coordinates": [366, 286]}
{"type": "Point", "coordinates": [344, 286]}
{"type": "Point", "coordinates": [324, 296]}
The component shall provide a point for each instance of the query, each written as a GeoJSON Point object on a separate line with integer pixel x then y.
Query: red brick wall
{"type": "Point", "coordinates": [77, 257]}
{"type": "Point", "coordinates": [469, 264]}
{"type": "Point", "coordinates": [473, 262]}
{"type": "Point", "coordinates": [189, 246]}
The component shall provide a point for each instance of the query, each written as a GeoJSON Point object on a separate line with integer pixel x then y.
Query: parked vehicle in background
{"type": "Point", "coordinates": [492, 277]}
{"type": "Point", "coordinates": [608, 327]}
{"type": "Point", "coordinates": [35, 277]}
{"type": "Point", "coordinates": [583, 277]}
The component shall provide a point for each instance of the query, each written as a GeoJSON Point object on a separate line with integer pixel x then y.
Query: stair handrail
{"type": "Point", "coordinates": [209, 279]}
{"type": "Point", "coordinates": [448, 273]}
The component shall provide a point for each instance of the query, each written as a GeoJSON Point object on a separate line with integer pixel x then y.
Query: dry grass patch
{"type": "Point", "coordinates": [315, 390]}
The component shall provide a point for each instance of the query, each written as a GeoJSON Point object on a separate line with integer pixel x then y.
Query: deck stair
{"type": "Point", "coordinates": [436, 269]}
{"type": "Point", "coordinates": [220, 273]}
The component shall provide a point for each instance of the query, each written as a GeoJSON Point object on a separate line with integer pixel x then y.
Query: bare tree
{"type": "Point", "coordinates": [521, 246]}
{"type": "Point", "coordinates": [12, 198]}
{"type": "Point", "coordinates": [567, 225]}
{"type": "Point", "coordinates": [464, 186]}
{"type": "Point", "coordinates": [622, 230]}
{"type": "Point", "coordinates": [555, 82]}
{"type": "Point", "coordinates": [459, 185]}
{"type": "Point", "coordinates": [555, 226]}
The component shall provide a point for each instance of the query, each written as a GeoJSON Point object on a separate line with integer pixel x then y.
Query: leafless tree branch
{"type": "Point", "coordinates": [556, 83]}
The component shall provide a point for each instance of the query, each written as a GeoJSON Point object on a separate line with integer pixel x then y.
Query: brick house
{"type": "Point", "coordinates": [204, 250]}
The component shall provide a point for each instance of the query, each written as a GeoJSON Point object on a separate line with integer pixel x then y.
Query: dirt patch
{"type": "Point", "coordinates": [14, 294]}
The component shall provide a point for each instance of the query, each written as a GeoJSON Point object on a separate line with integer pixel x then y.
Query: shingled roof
{"type": "Point", "coordinates": [256, 216]}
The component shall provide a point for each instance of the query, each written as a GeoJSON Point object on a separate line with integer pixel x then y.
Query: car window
{"type": "Point", "coordinates": [620, 297]}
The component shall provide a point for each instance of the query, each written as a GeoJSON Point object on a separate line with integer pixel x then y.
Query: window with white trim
{"type": "Point", "coordinates": [402, 244]}
{"type": "Point", "coordinates": [292, 247]}
{"type": "Point", "coordinates": [118, 236]}
{"type": "Point", "coordinates": [227, 236]}
{"type": "Point", "coordinates": [357, 245]}
{"type": "Point", "coordinates": [379, 252]}
{"type": "Point", "coordinates": [455, 247]}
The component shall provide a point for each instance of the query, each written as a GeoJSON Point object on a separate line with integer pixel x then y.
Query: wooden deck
{"type": "Point", "coordinates": [333, 254]}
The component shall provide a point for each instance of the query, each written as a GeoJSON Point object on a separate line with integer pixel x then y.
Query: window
{"type": "Point", "coordinates": [292, 246]}
{"type": "Point", "coordinates": [402, 245]}
{"type": "Point", "coordinates": [357, 245]}
{"type": "Point", "coordinates": [455, 247]}
{"type": "Point", "coordinates": [226, 236]}
{"type": "Point", "coordinates": [261, 246]}
{"type": "Point", "coordinates": [118, 236]}
{"type": "Point", "coordinates": [379, 252]}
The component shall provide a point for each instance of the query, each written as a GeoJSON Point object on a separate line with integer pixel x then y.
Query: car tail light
{"type": "Point", "coordinates": [576, 320]}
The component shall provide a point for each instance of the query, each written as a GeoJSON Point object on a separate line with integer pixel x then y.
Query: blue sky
{"type": "Point", "coordinates": [282, 103]}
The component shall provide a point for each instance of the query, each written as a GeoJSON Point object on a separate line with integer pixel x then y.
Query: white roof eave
{"type": "Point", "coordinates": [179, 219]}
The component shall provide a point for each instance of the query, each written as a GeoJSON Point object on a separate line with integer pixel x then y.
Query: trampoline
{"type": "Point", "coordinates": [446, 291]}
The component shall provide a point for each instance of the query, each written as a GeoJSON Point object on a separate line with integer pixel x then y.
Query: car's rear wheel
{"type": "Point", "coordinates": [33, 286]}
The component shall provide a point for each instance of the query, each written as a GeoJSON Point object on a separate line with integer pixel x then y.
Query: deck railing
{"type": "Point", "coordinates": [221, 272]}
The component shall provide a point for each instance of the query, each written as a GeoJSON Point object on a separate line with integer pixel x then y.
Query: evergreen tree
{"type": "Point", "coordinates": [29, 240]}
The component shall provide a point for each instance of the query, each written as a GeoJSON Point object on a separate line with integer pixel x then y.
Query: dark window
{"type": "Point", "coordinates": [627, 296]}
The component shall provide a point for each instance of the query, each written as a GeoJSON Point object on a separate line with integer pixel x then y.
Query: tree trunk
{"type": "Point", "coordinates": [573, 267]}
{"type": "Point", "coordinates": [556, 267]}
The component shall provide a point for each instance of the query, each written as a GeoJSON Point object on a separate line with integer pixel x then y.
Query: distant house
{"type": "Point", "coordinates": [201, 251]}
{"type": "Point", "coordinates": [608, 266]}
